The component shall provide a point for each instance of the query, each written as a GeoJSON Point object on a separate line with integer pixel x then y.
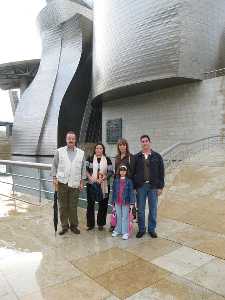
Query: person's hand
{"type": "Point", "coordinates": [100, 180]}
{"type": "Point", "coordinates": [81, 187]}
{"type": "Point", "coordinates": [159, 192]}
{"type": "Point", "coordinates": [104, 177]}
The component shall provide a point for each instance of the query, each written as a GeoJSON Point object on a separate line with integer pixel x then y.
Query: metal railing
{"type": "Point", "coordinates": [181, 151]}
{"type": "Point", "coordinates": [172, 156]}
{"type": "Point", "coordinates": [36, 166]}
{"type": "Point", "coordinates": [214, 73]}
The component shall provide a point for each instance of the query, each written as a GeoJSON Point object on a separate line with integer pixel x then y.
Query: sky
{"type": "Point", "coordinates": [19, 39]}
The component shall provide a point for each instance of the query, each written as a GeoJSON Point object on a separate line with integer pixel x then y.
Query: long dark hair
{"type": "Point", "coordinates": [122, 142]}
{"type": "Point", "coordinates": [99, 144]}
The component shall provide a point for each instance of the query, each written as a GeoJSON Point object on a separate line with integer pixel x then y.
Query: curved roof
{"type": "Point", "coordinates": [12, 74]}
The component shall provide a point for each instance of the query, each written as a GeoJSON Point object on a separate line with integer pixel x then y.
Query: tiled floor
{"type": "Point", "coordinates": [186, 262]}
{"type": "Point", "coordinates": [34, 264]}
{"type": "Point", "coordinates": [182, 261]}
{"type": "Point", "coordinates": [211, 275]}
{"type": "Point", "coordinates": [104, 261]}
{"type": "Point", "coordinates": [131, 278]}
{"type": "Point", "coordinates": [173, 287]}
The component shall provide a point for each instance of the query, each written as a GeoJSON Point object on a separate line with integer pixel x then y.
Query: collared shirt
{"type": "Point", "coordinates": [146, 167]}
{"type": "Point", "coordinates": [146, 155]}
{"type": "Point", "coordinates": [71, 154]}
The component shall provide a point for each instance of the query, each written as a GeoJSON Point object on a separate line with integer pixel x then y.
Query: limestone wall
{"type": "Point", "coordinates": [181, 113]}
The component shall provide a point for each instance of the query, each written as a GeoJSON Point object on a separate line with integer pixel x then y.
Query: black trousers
{"type": "Point", "coordinates": [92, 197]}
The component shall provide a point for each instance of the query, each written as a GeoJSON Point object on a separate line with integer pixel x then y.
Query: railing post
{"type": "Point", "coordinates": [13, 187]}
{"type": "Point", "coordinates": [39, 175]}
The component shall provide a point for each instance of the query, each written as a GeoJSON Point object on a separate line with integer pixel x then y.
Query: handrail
{"type": "Point", "coordinates": [169, 149]}
{"type": "Point", "coordinates": [183, 150]}
{"type": "Point", "coordinates": [214, 73]}
{"type": "Point", "coordinates": [38, 166]}
{"type": "Point", "coordinates": [26, 164]}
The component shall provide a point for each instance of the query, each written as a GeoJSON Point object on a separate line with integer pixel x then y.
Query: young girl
{"type": "Point", "coordinates": [122, 198]}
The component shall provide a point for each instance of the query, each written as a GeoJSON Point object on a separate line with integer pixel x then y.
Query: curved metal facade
{"type": "Point", "coordinates": [144, 45]}
{"type": "Point", "coordinates": [138, 46]}
{"type": "Point", "coordinates": [66, 31]}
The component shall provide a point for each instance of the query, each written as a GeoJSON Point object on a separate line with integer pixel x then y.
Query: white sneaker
{"type": "Point", "coordinates": [125, 236]}
{"type": "Point", "coordinates": [115, 233]}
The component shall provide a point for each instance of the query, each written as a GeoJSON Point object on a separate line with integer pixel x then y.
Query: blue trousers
{"type": "Point", "coordinates": [142, 193]}
{"type": "Point", "coordinates": [122, 218]}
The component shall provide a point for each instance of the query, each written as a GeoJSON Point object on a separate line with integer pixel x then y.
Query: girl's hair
{"type": "Point", "coordinates": [122, 167]}
{"type": "Point", "coordinates": [99, 144]}
{"type": "Point", "coordinates": [122, 142]}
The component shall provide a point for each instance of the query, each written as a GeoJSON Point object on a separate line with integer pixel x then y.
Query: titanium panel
{"type": "Point", "coordinates": [144, 45]}
{"type": "Point", "coordinates": [32, 107]}
{"type": "Point", "coordinates": [36, 121]}
{"type": "Point", "coordinates": [70, 56]}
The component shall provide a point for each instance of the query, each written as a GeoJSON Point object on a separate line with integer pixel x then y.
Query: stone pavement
{"type": "Point", "coordinates": [186, 262]}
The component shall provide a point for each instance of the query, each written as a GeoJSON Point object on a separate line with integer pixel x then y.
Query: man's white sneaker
{"type": "Point", "coordinates": [115, 234]}
{"type": "Point", "coordinates": [125, 236]}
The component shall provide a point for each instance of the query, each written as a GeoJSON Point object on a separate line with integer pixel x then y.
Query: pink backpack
{"type": "Point", "coordinates": [113, 220]}
{"type": "Point", "coordinates": [113, 217]}
{"type": "Point", "coordinates": [130, 225]}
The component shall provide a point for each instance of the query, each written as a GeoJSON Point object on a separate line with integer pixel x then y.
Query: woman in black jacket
{"type": "Point", "coordinates": [99, 170]}
{"type": "Point", "coordinates": [124, 157]}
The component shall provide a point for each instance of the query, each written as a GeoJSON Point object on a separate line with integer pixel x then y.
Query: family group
{"type": "Point", "coordinates": [135, 179]}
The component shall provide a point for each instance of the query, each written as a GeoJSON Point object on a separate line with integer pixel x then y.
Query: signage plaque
{"type": "Point", "coordinates": [113, 131]}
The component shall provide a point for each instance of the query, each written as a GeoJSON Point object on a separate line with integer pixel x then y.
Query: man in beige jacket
{"type": "Point", "coordinates": [68, 172]}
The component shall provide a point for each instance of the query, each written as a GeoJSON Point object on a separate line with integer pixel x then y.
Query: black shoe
{"type": "Point", "coordinates": [75, 230]}
{"type": "Point", "coordinates": [153, 234]}
{"type": "Point", "coordinates": [100, 228]}
{"type": "Point", "coordinates": [140, 234]}
{"type": "Point", "coordinates": [90, 228]}
{"type": "Point", "coordinates": [111, 229]}
{"type": "Point", "coordinates": [63, 231]}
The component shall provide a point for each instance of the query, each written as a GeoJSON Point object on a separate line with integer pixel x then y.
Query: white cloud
{"type": "Point", "coordinates": [19, 38]}
{"type": "Point", "coordinates": [19, 35]}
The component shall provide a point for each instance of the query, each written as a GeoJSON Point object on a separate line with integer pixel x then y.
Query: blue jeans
{"type": "Point", "coordinates": [122, 218]}
{"type": "Point", "coordinates": [142, 193]}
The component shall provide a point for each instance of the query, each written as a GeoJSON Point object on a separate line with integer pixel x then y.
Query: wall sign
{"type": "Point", "coordinates": [113, 131]}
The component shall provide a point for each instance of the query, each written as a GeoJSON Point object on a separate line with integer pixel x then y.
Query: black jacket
{"type": "Point", "coordinates": [156, 168]}
{"type": "Point", "coordinates": [128, 161]}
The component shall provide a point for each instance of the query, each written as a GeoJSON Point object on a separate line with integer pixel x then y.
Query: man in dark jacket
{"type": "Point", "coordinates": [149, 183]}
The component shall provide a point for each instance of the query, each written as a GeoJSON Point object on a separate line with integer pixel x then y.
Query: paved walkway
{"type": "Point", "coordinates": [187, 261]}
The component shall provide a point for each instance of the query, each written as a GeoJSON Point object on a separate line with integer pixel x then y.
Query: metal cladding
{"type": "Point", "coordinates": [138, 46]}
{"type": "Point", "coordinates": [143, 45]}
{"type": "Point", "coordinates": [66, 31]}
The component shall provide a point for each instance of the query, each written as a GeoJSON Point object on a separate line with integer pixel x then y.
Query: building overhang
{"type": "Point", "coordinates": [14, 74]}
